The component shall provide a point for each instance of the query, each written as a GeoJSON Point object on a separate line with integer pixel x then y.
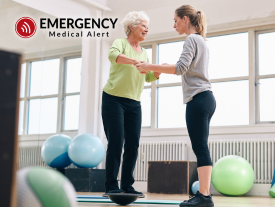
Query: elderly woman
{"type": "Point", "coordinates": [121, 109]}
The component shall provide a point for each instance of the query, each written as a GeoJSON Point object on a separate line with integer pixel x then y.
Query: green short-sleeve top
{"type": "Point", "coordinates": [125, 80]}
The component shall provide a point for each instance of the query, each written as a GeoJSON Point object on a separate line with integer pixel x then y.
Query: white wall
{"type": "Point", "coordinates": [220, 14]}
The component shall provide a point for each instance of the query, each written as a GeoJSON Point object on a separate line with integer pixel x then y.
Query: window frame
{"type": "Point", "coordinates": [258, 77]}
{"type": "Point", "coordinates": [148, 46]}
{"type": "Point", "coordinates": [64, 94]}
{"type": "Point", "coordinates": [60, 95]}
{"type": "Point", "coordinates": [254, 126]}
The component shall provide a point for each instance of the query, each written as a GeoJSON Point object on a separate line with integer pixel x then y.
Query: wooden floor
{"type": "Point", "coordinates": [220, 201]}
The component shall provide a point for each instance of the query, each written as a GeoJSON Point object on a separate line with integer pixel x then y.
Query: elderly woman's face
{"type": "Point", "coordinates": [140, 31]}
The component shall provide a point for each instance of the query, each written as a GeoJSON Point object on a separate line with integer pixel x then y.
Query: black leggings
{"type": "Point", "coordinates": [122, 124]}
{"type": "Point", "coordinates": [198, 115]}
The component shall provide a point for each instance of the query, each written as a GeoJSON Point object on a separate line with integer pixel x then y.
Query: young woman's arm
{"type": "Point", "coordinates": [146, 67]}
{"type": "Point", "coordinates": [181, 67]}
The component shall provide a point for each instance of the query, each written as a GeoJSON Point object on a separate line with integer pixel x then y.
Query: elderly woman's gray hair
{"type": "Point", "coordinates": [133, 19]}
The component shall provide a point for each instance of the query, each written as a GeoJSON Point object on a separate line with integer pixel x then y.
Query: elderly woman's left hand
{"type": "Point", "coordinates": [143, 67]}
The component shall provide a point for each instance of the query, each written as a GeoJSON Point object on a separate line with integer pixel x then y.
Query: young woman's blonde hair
{"type": "Point", "coordinates": [197, 18]}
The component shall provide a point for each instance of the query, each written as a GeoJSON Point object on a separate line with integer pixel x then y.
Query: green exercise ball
{"type": "Point", "coordinates": [232, 175]}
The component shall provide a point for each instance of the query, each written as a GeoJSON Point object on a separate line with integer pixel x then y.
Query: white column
{"type": "Point", "coordinates": [90, 76]}
{"type": "Point", "coordinates": [95, 71]}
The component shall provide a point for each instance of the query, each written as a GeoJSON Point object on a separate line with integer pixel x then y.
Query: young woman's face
{"type": "Point", "coordinates": [180, 25]}
{"type": "Point", "coordinates": [140, 31]}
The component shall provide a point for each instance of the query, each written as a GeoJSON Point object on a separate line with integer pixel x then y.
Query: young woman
{"type": "Point", "coordinates": [197, 94]}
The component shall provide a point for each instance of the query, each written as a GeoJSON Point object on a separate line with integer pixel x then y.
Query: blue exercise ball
{"type": "Point", "coordinates": [54, 151]}
{"type": "Point", "coordinates": [195, 187]}
{"type": "Point", "coordinates": [86, 151]}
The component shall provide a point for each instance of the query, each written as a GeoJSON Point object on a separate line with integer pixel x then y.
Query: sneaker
{"type": "Point", "coordinates": [198, 200]}
{"type": "Point", "coordinates": [116, 191]}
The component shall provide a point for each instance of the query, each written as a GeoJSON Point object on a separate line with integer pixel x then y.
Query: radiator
{"type": "Point", "coordinates": [156, 151]}
{"type": "Point", "coordinates": [258, 152]}
{"type": "Point", "coordinates": [29, 156]}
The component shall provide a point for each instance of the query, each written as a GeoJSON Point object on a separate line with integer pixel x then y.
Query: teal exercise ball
{"type": "Point", "coordinates": [232, 175]}
{"type": "Point", "coordinates": [54, 151]}
{"type": "Point", "coordinates": [86, 151]}
{"type": "Point", "coordinates": [44, 187]}
{"type": "Point", "coordinates": [195, 187]}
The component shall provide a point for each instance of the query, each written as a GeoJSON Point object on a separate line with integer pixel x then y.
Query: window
{"type": "Point", "coordinates": [171, 111]}
{"type": "Point", "coordinates": [170, 108]}
{"type": "Point", "coordinates": [146, 107]}
{"type": "Point", "coordinates": [21, 118]}
{"type": "Point", "coordinates": [169, 53]}
{"type": "Point", "coordinates": [229, 72]}
{"type": "Point", "coordinates": [43, 96]}
{"type": "Point", "coordinates": [72, 94]}
{"type": "Point", "coordinates": [232, 103]}
{"type": "Point", "coordinates": [228, 56]}
{"type": "Point", "coordinates": [42, 115]}
{"type": "Point", "coordinates": [21, 103]}
{"type": "Point", "coordinates": [265, 77]}
{"type": "Point", "coordinates": [230, 77]}
{"type": "Point", "coordinates": [44, 106]}
{"type": "Point", "coordinates": [145, 98]}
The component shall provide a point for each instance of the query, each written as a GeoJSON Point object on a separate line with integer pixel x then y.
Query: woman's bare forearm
{"type": "Point", "coordinates": [123, 59]}
{"type": "Point", "coordinates": [168, 69]}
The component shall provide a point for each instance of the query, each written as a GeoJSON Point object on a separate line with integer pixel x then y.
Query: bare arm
{"type": "Point", "coordinates": [145, 67]}
{"type": "Point", "coordinates": [123, 59]}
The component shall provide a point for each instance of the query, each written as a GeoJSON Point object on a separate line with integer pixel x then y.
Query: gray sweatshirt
{"type": "Point", "coordinates": [193, 67]}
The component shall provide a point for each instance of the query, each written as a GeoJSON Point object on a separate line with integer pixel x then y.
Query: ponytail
{"type": "Point", "coordinates": [201, 26]}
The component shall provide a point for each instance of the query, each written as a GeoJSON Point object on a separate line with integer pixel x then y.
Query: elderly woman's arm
{"type": "Point", "coordinates": [123, 59]}
{"type": "Point", "coordinates": [116, 54]}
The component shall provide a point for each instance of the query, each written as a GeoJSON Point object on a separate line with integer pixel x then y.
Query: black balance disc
{"type": "Point", "coordinates": [123, 198]}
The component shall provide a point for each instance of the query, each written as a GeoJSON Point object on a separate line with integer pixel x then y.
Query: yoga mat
{"type": "Point", "coordinates": [91, 197]}
{"type": "Point", "coordinates": [141, 201]}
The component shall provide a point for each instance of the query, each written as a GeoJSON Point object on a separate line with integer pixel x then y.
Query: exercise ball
{"type": "Point", "coordinates": [232, 175]}
{"type": "Point", "coordinates": [86, 151]}
{"type": "Point", "coordinates": [272, 191]}
{"type": "Point", "coordinates": [54, 151]}
{"type": "Point", "coordinates": [195, 187]}
{"type": "Point", "coordinates": [44, 187]}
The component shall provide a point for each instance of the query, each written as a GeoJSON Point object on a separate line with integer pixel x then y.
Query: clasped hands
{"type": "Point", "coordinates": [143, 67]}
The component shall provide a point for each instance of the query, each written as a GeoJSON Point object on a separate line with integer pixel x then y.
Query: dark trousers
{"type": "Point", "coordinates": [199, 112]}
{"type": "Point", "coordinates": [122, 124]}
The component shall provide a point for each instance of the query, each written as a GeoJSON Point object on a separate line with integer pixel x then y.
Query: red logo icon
{"type": "Point", "coordinates": [25, 27]}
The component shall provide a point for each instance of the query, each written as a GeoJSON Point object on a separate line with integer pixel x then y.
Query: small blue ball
{"type": "Point", "coordinates": [86, 151]}
{"type": "Point", "coordinates": [54, 151]}
{"type": "Point", "coordinates": [195, 187]}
